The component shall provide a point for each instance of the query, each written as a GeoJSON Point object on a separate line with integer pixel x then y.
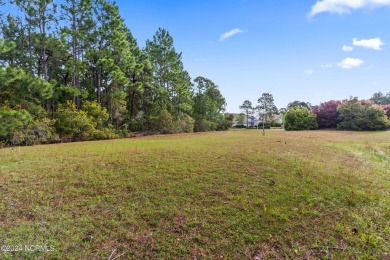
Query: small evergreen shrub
{"type": "Point", "coordinates": [203, 125]}
{"type": "Point", "coordinates": [163, 123]}
{"type": "Point", "coordinates": [12, 123]}
{"type": "Point", "coordinates": [72, 124]}
{"type": "Point", "coordinates": [39, 131]}
{"type": "Point", "coordinates": [185, 124]}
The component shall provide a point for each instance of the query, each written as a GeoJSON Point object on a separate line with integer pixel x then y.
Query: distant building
{"type": "Point", "coordinates": [252, 120]}
{"type": "Point", "coordinates": [255, 120]}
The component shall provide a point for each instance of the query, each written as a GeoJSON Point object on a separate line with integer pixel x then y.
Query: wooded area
{"type": "Point", "coordinates": [72, 70]}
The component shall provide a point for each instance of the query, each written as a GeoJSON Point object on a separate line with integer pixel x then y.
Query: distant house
{"type": "Point", "coordinates": [253, 121]}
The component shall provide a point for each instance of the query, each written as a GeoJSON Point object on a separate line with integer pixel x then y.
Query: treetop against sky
{"type": "Point", "coordinates": [308, 50]}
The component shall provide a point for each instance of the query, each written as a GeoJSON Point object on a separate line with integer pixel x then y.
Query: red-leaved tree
{"type": "Point", "coordinates": [327, 114]}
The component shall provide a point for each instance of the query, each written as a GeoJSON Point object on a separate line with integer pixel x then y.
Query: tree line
{"type": "Point", "coordinates": [72, 70]}
{"type": "Point", "coordinates": [348, 114]}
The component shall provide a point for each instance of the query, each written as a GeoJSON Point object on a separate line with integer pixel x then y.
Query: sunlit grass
{"type": "Point", "coordinates": [235, 194]}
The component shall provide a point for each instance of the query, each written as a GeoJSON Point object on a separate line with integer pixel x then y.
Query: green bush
{"type": "Point", "coordinates": [203, 125]}
{"type": "Point", "coordinates": [163, 123]}
{"type": "Point", "coordinates": [11, 123]}
{"type": "Point", "coordinates": [98, 135]}
{"type": "Point", "coordinates": [105, 134]}
{"type": "Point", "coordinates": [123, 131]}
{"type": "Point", "coordinates": [96, 113]}
{"type": "Point", "coordinates": [36, 132]}
{"type": "Point", "coordinates": [274, 123]}
{"type": "Point", "coordinates": [353, 115]}
{"type": "Point", "coordinates": [185, 124]}
{"type": "Point", "coordinates": [269, 124]}
{"type": "Point", "coordinates": [137, 124]}
{"type": "Point", "coordinates": [300, 119]}
{"type": "Point", "coordinates": [99, 117]}
{"type": "Point", "coordinates": [225, 123]}
{"type": "Point", "coordinates": [72, 124]}
{"type": "Point", "coordinates": [266, 125]}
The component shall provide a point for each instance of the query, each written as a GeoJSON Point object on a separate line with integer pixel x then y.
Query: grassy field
{"type": "Point", "coordinates": [234, 194]}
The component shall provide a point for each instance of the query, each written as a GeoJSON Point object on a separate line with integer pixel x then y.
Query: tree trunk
{"type": "Point", "coordinates": [99, 83]}
{"type": "Point", "coordinates": [247, 118]}
{"type": "Point", "coordinates": [44, 59]}
{"type": "Point", "coordinates": [75, 53]}
{"type": "Point", "coordinates": [263, 124]}
{"type": "Point", "coordinates": [131, 106]}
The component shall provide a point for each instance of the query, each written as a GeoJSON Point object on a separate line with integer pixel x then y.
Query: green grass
{"type": "Point", "coordinates": [234, 194]}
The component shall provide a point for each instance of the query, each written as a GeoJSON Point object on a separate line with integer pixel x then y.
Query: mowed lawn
{"type": "Point", "coordinates": [231, 195]}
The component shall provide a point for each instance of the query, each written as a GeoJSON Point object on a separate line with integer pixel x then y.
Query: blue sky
{"type": "Point", "coordinates": [292, 49]}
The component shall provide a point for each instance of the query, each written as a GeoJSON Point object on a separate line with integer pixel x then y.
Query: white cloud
{"type": "Point", "coordinates": [326, 66]}
{"type": "Point", "coordinates": [345, 6]}
{"type": "Point", "coordinates": [375, 43]}
{"type": "Point", "coordinates": [347, 48]}
{"type": "Point", "coordinates": [350, 63]}
{"type": "Point", "coordinates": [308, 72]}
{"type": "Point", "coordinates": [229, 34]}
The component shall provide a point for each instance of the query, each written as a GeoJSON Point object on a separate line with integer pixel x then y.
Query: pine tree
{"type": "Point", "coordinates": [40, 16]}
{"type": "Point", "coordinates": [266, 107]}
{"type": "Point", "coordinates": [247, 108]}
{"type": "Point", "coordinates": [208, 100]}
{"type": "Point", "coordinates": [15, 34]}
{"type": "Point", "coordinates": [171, 80]}
{"type": "Point", "coordinates": [78, 17]}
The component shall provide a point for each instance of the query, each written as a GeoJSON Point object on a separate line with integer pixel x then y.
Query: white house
{"type": "Point", "coordinates": [253, 121]}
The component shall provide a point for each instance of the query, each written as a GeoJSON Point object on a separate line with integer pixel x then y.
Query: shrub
{"type": "Point", "coordinates": [137, 124]}
{"type": "Point", "coordinates": [300, 119]}
{"type": "Point", "coordinates": [99, 117]}
{"type": "Point", "coordinates": [225, 123]}
{"type": "Point", "coordinates": [276, 124]}
{"type": "Point", "coordinates": [72, 124]}
{"type": "Point", "coordinates": [269, 124]}
{"type": "Point", "coordinates": [36, 132]}
{"type": "Point", "coordinates": [122, 131]}
{"type": "Point", "coordinates": [203, 125]}
{"type": "Point", "coordinates": [266, 125]}
{"type": "Point", "coordinates": [96, 113]}
{"type": "Point", "coordinates": [105, 134]}
{"type": "Point", "coordinates": [185, 124]}
{"type": "Point", "coordinates": [11, 122]}
{"type": "Point", "coordinates": [355, 115]}
{"type": "Point", "coordinates": [163, 123]}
